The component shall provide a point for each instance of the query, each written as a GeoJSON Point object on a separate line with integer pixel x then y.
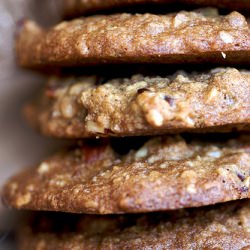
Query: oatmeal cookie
{"type": "Point", "coordinates": [184, 37]}
{"type": "Point", "coordinates": [166, 173]}
{"type": "Point", "coordinates": [78, 7]}
{"type": "Point", "coordinates": [218, 100]}
{"type": "Point", "coordinates": [223, 226]}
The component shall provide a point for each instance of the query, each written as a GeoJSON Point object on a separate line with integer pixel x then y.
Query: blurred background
{"type": "Point", "coordinates": [19, 146]}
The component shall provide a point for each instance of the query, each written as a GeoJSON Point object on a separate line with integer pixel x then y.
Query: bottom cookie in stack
{"type": "Point", "coordinates": [224, 226]}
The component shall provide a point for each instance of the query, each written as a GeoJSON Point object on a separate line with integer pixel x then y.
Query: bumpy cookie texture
{"type": "Point", "coordinates": [77, 7]}
{"type": "Point", "coordinates": [218, 100]}
{"type": "Point", "coordinates": [166, 173]}
{"type": "Point", "coordinates": [182, 37]}
{"type": "Point", "coordinates": [220, 227]}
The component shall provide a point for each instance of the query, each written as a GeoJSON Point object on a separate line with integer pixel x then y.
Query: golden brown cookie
{"type": "Point", "coordinates": [223, 226]}
{"type": "Point", "coordinates": [184, 37]}
{"type": "Point", "coordinates": [218, 100]}
{"type": "Point", "coordinates": [78, 7]}
{"type": "Point", "coordinates": [164, 174]}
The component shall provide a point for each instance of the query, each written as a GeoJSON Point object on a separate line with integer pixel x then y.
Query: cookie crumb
{"type": "Point", "coordinates": [43, 168]}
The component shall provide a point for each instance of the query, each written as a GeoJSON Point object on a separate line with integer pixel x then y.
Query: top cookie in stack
{"type": "Point", "coordinates": [184, 37]}
{"type": "Point", "coordinates": [79, 7]}
{"type": "Point", "coordinates": [138, 174]}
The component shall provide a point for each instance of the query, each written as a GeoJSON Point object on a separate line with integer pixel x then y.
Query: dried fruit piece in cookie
{"type": "Point", "coordinates": [182, 37]}
{"type": "Point", "coordinates": [78, 7]}
{"type": "Point", "coordinates": [166, 173]}
{"type": "Point", "coordinates": [218, 100]}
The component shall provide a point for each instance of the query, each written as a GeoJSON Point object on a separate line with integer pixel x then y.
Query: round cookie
{"type": "Point", "coordinates": [165, 173]}
{"type": "Point", "coordinates": [218, 100]}
{"type": "Point", "coordinates": [185, 37]}
{"type": "Point", "coordinates": [78, 7]}
{"type": "Point", "coordinates": [219, 227]}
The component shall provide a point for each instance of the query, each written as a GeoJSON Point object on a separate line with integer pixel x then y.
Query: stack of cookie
{"type": "Point", "coordinates": [154, 189]}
